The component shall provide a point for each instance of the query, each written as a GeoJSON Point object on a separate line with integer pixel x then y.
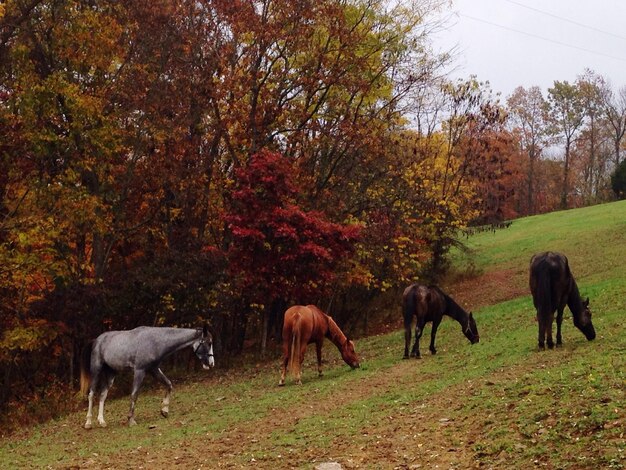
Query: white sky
{"type": "Point", "coordinates": [510, 43]}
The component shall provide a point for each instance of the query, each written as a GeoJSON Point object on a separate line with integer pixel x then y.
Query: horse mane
{"type": "Point", "coordinates": [453, 309]}
{"type": "Point", "coordinates": [334, 332]}
{"type": "Point", "coordinates": [574, 300]}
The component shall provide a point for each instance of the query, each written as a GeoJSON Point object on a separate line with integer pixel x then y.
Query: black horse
{"type": "Point", "coordinates": [429, 304]}
{"type": "Point", "coordinates": [553, 287]}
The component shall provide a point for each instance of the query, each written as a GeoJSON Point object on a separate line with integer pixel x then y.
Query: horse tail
{"type": "Point", "coordinates": [544, 297]}
{"type": "Point", "coordinates": [409, 306]}
{"type": "Point", "coordinates": [85, 368]}
{"type": "Point", "coordinates": [294, 356]}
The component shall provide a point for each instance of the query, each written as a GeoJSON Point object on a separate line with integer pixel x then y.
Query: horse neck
{"type": "Point", "coordinates": [574, 301]}
{"type": "Point", "coordinates": [335, 334]}
{"type": "Point", "coordinates": [179, 338]}
{"type": "Point", "coordinates": [455, 311]}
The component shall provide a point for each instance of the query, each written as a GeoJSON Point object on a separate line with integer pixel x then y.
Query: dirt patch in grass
{"type": "Point", "coordinates": [490, 288]}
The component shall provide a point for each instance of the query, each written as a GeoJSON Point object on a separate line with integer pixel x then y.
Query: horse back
{"type": "Point", "coordinates": [116, 349]}
{"type": "Point", "coordinates": [550, 281]}
{"type": "Point", "coordinates": [424, 302]}
{"type": "Point", "coordinates": [299, 320]}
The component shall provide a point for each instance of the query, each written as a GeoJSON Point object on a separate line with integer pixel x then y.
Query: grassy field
{"type": "Point", "coordinates": [496, 404]}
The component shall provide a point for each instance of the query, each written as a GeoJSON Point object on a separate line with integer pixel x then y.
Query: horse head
{"type": "Point", "coordinates": [203, 348]}
{"type": "Point", "coordinates": [349, 355]}
{"type": "Point", "coordinates": [583, 321]}
{"type": "Point", "coordinates": [471, 330]}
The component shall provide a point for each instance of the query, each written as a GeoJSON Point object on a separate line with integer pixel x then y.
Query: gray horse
{"type": "Point", "coordinates": [142, 350]}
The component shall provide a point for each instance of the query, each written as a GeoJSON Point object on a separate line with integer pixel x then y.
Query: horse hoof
{"type": "Point", "coordinates": [299, 382]}
{"type": "Point", "coordinates": [406, 356]}
{"type": "Point", "coordinates": [165, 413]}
{"type": "Point", "coordinates": [88, 426]}
{"type": "Point", "coordinates": [102, 424]}
{"type": "Point", "coordinates": [132, 422]}
{"type": "Point", "coordinates": [281, 383]}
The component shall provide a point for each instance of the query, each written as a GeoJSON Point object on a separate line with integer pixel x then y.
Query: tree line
{"type": "Point", "coordinates": [180, 161]}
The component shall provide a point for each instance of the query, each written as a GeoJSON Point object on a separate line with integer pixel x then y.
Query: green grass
{"type": "Point", "coordinates": [592, 237]}
{"type": "Point", "coordinates": [496, 404]}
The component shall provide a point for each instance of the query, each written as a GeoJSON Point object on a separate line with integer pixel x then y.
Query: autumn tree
{"type": "Point", "coordinates": [455, 160]}
{"type": "Point", "coordinates": [614, 107]}
{"type": "Point", "coordinates": [528, 118]}
{"type": "Point", "coordinates": [594, 136]}
{"type": "Point", "coordinates": [61, 143]}
{"type": "Point", "coordinates": [97, 107]}
{"type": "Point", "coordinates": [281, 252]}
{"type": "Point", "coordinates": [566, 112]}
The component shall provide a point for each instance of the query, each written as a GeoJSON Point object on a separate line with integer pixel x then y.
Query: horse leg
{"type": "Point", "coordinates": [92, 391]}
{"type": "Point", "coordinates": [419, 329]}
{"type": "Point", "coordinates": [137, 379]}
{"type": "Point", "coordinates": [542, 331]}
{"type": "Point", "coordinates": [283, 371]}
{"type": "Point", "coordinates": [559, 320]}
{"type": "Point", "coordinates": [548, 326]}
{"type": "Point", "coordinates": [109, 378]}
{"type": "Point", "coordinates": [433, 333]}
{"type": "Point", "coordinates": [318, 350]}
{"type": "Point", "coordinates": [160, 376]}
{"type": "Point", "coordinates": [286, 352]}
{"type": "Point", "coordinates": [407, 339]}
{"type": "Point", "coordinates": [301, 359]}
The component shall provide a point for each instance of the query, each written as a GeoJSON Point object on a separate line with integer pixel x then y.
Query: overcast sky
{"type": "Point", "coordinates": [535, 42]}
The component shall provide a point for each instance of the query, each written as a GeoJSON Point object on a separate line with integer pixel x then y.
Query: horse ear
{"type": "Point", "coordinates": [205, 330]}
{"type": "Point", "coordinates": [586, 302]}
{"type": "Point", "coordinates": [471, 316]}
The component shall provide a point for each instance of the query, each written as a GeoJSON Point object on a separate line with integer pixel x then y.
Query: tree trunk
{"type": "Point", "coordinates": [565, 177]}
{"type": "Point", "coordinates": [264, 333]}
{"type": "Point", "coordinates": [71, 361]}
{"type": "Point", "coordinates": [531, 183]}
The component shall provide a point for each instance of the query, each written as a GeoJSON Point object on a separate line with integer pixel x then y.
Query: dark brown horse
{"type": "Point", "coordinates": [553, 287]}
{"type": "Point", "coordinates": [429, 304]}
{"type": "Point", "coordinates": [306, 325]}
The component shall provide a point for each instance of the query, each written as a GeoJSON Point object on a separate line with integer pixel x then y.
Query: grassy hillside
{"type": "Point", "coordinates": [496, 404]}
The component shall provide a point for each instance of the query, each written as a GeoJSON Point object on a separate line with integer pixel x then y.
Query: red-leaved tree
{"type": "Point", "coordinates": [279, 251]}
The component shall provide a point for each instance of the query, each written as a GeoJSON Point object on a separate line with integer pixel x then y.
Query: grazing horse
{"type": "Point", "coordinates": [429, 304]}
{"type": "Point", "coordinates": [142, 350]}
{"type": "Point", "coordinates": [305, 325]}
{"type": "Point", "coordinates": [553, 286]}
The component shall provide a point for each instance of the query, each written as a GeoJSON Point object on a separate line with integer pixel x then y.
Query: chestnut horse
{"type": "Point", "coordinates": [429, 304]}
{"type": "Point", "coordinates": [553, 286]}
{"type": "Point", "coordinates": [306, 325]}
